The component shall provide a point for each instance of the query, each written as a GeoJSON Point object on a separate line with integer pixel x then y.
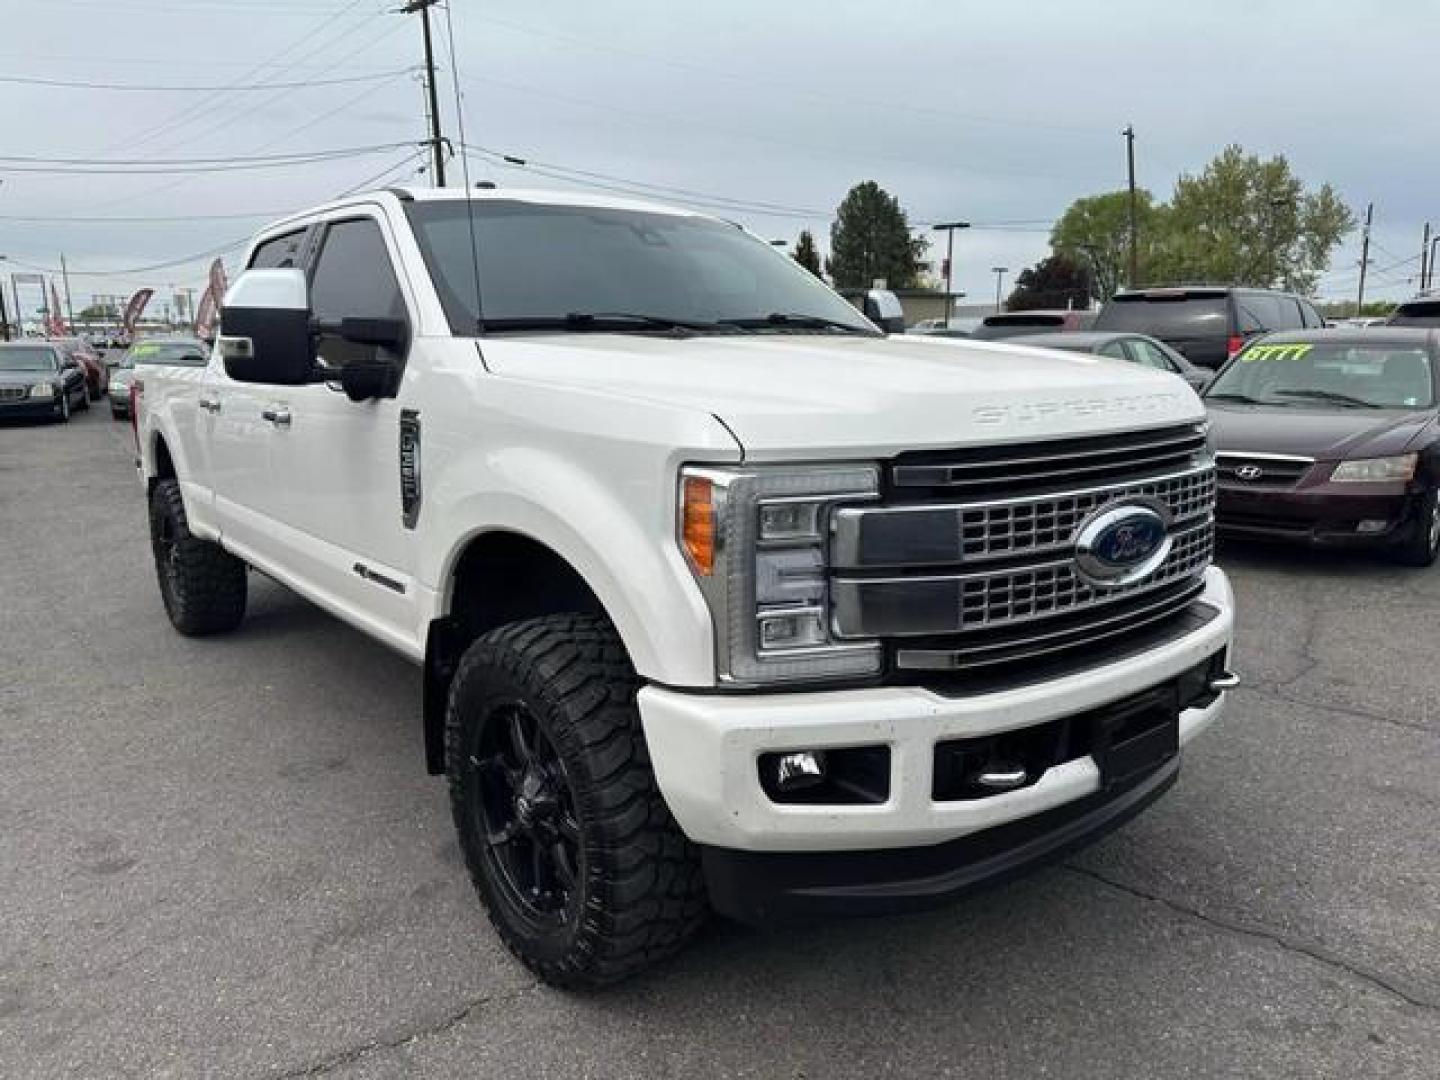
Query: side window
{"type": "Point", "coordinates": [282, 251]}
{"type": "Point", "coordinates": [1258, 312]}
{"type": "Point", "coordinates": [1312, 317]}
{"type": "Point", "coordinates": [1113, 349]}
{"type": "Point", "coordinates": [353, 278]}
{"type": "Point", "coordinates": [1147, 354]}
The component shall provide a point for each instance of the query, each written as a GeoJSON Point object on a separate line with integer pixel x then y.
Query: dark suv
{"type": "Point", "coordinates": [1422, 310]}
{"type": "Point", "coordinates": [1207, 324]}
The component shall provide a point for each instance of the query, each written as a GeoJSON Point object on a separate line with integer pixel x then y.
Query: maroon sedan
{"type": "Point", "coordinates": [1331, 437]}
{"type": "Point", "coordinates": [97, 375]}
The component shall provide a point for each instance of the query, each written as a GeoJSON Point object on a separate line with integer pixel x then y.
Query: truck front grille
{"type": "Point", "coordinates": [981, 572]}
{"type": "Point", "coordinates": [1055, 465]}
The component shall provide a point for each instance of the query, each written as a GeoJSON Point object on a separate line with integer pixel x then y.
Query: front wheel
{"type": "Point", "coordinates": [1420, 545]}
{"type": "Point", "coordinates": [64, 417]}
{"type": "Point", "coordinates": [581, 867]}
{"type": "Point", "coordinates": [202, 584]}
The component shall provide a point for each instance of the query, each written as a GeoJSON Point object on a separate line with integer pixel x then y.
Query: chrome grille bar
{"type": "Point", "coordinates": [965, 533]}
{"type": "Point", "coordinates": [918, 606]}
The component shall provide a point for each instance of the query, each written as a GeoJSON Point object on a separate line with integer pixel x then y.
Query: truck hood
{"type": "Point", "coordinates": [788, 396]}
{"type": "Point", "coordinates": [1322, 434]}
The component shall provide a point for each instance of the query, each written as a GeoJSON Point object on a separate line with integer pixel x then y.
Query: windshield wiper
{"type": "Point", "coordinates": [1228, 396]}
{"type": "Point", "coordinates": [1329, 395]}
{"type": "Point", "coordinates": [783, 320]}
{"type": "Point", "coordinates": [602, 321]}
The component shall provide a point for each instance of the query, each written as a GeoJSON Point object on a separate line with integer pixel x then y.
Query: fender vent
{"type": "Point", "coordinates": [410, 467]}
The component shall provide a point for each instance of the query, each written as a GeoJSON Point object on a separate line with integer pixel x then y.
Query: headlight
{"type": "Point", "coordinates": [757, 542]}
{"type": "Point", "coordinates": [1376, 470]}
{"type": "Point", "coordinates": [42, 390]}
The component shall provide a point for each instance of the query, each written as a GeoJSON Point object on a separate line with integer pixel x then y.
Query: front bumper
{"type": "Point", "coordinates": [31, 407]}
{"type": "Point", "coordinates": [768, 888]}
{"type": "Point", "coordinates": [706, 748]}
{"type": "Point", "coordinates": [1323, 514]}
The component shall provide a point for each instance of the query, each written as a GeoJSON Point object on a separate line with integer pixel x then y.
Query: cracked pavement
{"type": "Point", "coordinates": [223, 858]}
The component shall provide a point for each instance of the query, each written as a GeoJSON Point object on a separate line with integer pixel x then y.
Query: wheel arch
{"type": "Point", "coordinates": [495, 577]}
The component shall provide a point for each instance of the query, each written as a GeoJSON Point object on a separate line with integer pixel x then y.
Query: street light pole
{"type": "Point", "coordinates": [4, 316]}
{"type": "Point", "coordinates": [948, 228]}
{"type": "Point", "coordinates": [1000, 272]}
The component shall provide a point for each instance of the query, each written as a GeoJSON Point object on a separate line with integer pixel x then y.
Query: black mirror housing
{"type": "Point", "coordinates": [267, 345]}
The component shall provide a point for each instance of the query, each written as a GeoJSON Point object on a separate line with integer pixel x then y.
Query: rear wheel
{"type": "Point", "coordinates": [202, 584]}
{"type": "Point", "coordinates": [584, 873]}
{"type": "Point", "coordinates": [1420, 545]}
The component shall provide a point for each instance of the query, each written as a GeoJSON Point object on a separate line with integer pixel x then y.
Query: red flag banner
{"type": "Point", "coordinates": [218, 284]}
{"type": "Point", "coordinates": [55, 325]}
{"type": "Point", "coordinates": [205, 315]}
{"type": "Point", "coordinates": [135, 308]}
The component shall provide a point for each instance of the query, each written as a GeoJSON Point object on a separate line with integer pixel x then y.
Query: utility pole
{"type": "Point", "coordinates": [1424, 256]}
{"type": "Point", "coordinates": [65, 277]}
{"type": "Point", "coordinates": [1364, 258]}
{"type": "Point", "coordinates": [948, 228]}
{"type": "Point", "coordinates": [5, 318]}
{"type": "Point", "coordinates": [437, 141]}
{"type": "Point", "coordinates": [1000, 272]}
{"type": "Point", "coordinates": [1134, 281]}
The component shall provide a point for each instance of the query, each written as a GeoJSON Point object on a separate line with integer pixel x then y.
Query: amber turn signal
{"type": "Point", "coordinates": [698, 524]}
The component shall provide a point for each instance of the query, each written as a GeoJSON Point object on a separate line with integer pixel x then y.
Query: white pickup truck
{"type": "Point", "coordinates": [725, 598]}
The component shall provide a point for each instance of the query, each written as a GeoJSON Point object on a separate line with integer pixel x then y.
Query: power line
{"type": "Point", "coordinates": [143, 167]}
{"type": "Point", "coordinates": [26, 80]}
{"type": "Point", "coordinates": [139, 219]}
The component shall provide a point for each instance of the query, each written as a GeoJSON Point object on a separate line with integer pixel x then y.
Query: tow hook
{"type": "Point", "coordinates": [1226, 680]}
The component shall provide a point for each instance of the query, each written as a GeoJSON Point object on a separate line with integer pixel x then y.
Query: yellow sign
{"type": "Point", "coordinates": [1274, 352]}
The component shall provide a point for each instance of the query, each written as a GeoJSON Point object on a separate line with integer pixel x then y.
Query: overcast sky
{"type": "Point", "coordinates": [998, 113]}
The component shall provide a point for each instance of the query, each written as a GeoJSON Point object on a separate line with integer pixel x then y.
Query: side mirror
{"type": "Point", "coordinates": [265, 332]}
{"type": "Point", "coordinates": [882, 307]}
{"type": "Point", "coordinates": [69, 364]}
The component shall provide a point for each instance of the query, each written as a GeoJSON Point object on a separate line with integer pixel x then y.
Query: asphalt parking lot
{"type": "Point", "coordinates": [223, 858]}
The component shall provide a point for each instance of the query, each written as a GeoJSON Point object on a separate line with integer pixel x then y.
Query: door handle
{"type": "Point", "coordinates": [209, 404]}
{"type": "Point", "coordinates": [277, 415]}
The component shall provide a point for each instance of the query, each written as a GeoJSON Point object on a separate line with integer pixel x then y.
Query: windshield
{"type": "Point", "coordinates": [590, 268]}
{"type": "Point", "coordinates": [1179, 315]}
{"type": "Point", "coordinates": [26, 358]}
{"type": "Point", "coordinates": [180, 353]}
{"type": "Point", "coordinates": [1328, 375]}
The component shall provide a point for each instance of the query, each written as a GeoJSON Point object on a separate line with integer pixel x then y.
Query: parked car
{"type": "Point", "coordinates": [1422, 310]}
{"type": "Point", "coordinates": [724, 599]}
{"type": "Point", "coordinates": [40, 379]}
{"type": "Point", "coordinates": [1207, 324]}
{"type": "Point", "coordinates": [1135, 348]}
{"type": "Point", "coordinates": [179, 351]}
{"type": "Point", "coordinates": [1332, 437]}
{"type": "Point", "coordinates": [97, 375]}
{"type": "Point", "coordinates": [1015, 323]}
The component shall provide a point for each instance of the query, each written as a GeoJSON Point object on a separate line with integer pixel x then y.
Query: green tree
{"type": "Point", "coordinates": [1245, 221]}
{"type": "Point", "coordinates": [870, 238]}
{"type": "Point", "coordinates": [806, 254]}
{"type": "Point", "coordinates": [1095, 231]}
{"type": "Point", "coordinates": [1058, 281]}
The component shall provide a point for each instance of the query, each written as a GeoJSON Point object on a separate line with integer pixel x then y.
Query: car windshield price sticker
{"type": "Point", "coordinates": [1274, 352]}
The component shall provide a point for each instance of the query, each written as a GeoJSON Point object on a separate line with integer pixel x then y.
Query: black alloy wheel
{"type": "Point", "coordinates": [527, 813]}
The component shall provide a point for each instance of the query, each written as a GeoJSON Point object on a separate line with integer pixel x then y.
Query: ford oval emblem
{"type": "Point", "coordinates": [1121, 544]}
